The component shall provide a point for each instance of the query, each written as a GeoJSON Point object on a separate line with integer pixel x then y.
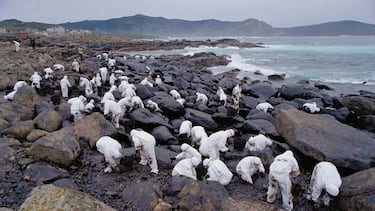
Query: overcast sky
{"type": "Point", "coordinates": [278, 13]}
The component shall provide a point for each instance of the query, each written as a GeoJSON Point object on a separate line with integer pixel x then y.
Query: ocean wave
{"type": "Point", "coordinates": [346, 81]}
{"type": "Point", "coordinates": [237, 61]}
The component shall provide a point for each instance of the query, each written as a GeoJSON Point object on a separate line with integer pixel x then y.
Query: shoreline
{"type": "Point", "coordinates": [187, 74]}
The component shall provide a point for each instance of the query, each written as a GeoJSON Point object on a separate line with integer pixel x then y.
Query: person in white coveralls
{"type": "Point", "coordinates": [65, 84]}
{"type": "Point", "coordinates": [324, 177]}
{"type": "Point", "coordinates": [217, 171]}
{"type": "Point", "coordinates": [186, 167]}
{"type": "Point", "coordinates": [145, 143]}
{"type": "Point", "coordinates": [77, 106]}
{"type": "Point", "coordinates": [188, 151]}
{"type": "Point", "coordinates": [248, 166]}
{"type": "Point", "coordinates": [258, 143]}
{"type": "Point", "coordinates": [75, 65]}
{"type": "Point", "coordinates": [215, 143]}
{"type": "Point", "coordinates": [112, 151]}
{"type": "Point", "coordinates": [282, 168]}
{"type": "Point", "coordinates": [35, 80]}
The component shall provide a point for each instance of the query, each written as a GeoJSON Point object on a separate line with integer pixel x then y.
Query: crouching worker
{"type": "Point", "coordinates": [145, 143]}
{"type": "Point", "coordinates": [283, 166]}
{"type": "Point", "coordinates": [186, 167]}
{"type": "Point", "coordinates": [324, 177]}
{"type": "Point", "coordinates": [112, 151]}
{"type": "Point", "coordinates": [248, 166]}
{"type": "Point", "coordinates": [217, 171]}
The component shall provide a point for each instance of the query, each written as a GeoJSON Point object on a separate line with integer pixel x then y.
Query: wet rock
{"type": "Point", "coordinates": [66, 183]}
{"type": "Point", "coordinates": [93, 127]}
{"type": "Point", "coordinates": [26, 96]}
{"type": "Point", "coordinates": [42, 106]}
{"type": "Point", "coordinates": [357, 191]}
{"type": "Point", "coordinates": [60, 147]}
{"type": "Point", "coordinates": [142, 196]}
{"type": "Point", "coordinates": [169, 106]}
{"type": "Point", "coordinates": [249, 102]}
{"type": "Point", "coordinates": [43, 173]}
{"type": "Point", "coordinates": [145, 92]}
{"type": "Point", "coordinates": [19, 130]}
{"type": "Point", "coordinates": [13, 112]}
{"type": "Point", "coordinates": [261, 90]}
{"type": "Point", "coordinates": [323, 86]}
{"type": "Point", "coordinates": [366, 122]}
{"type": "Point", "coordinates": [227, 119]}
{"type": "Point", "coordinates": [360, 105]}
{"type": "Point", "coordinates": [48, 120]}
{"type": "Point", "coordinates": [4, 124]}
{"type": "Point", "coordinates": [200, 118]}
{"type": "Point", "coordinates": [326, 139]}
{"type": "Point", "coordinates": [198, 195]}
{"type": "Point", "coordinates": [343, 114]}
{"type": "Point", "coordinates": [164, 156]}
{"type": "Point", "coordinates": [290, 92]}
{"type": "Point", "coordinates": [50, 197]}
{"type": "Point", "coordinates": [227, 83]}
{"type": "Point", "coordinates": [276, 77]}
{"type": "Point", "coordinates": [145, 117]}
{"type": "Point", "coordinates": [163, 136]}
{"type": "Point", "coordinates": [260, 126]}
{"type": "Point", "coordinates": [6, 141]}
{"type": "Point", "coordinates": [35, 135]}
{"type": "Point", "coordinates": [232, 204]}
{"type": "Point", "coordinates": [7, 159]}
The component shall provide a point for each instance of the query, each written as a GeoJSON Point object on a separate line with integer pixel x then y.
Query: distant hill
{"type": "Point", "coordinates": [15, 25]}
{"type": "Point", "coordinates": [332, 29]}
{"type": "Point", "coordinates": [163, 27]}
{"type": "Point", "coordinates": [158, 26]}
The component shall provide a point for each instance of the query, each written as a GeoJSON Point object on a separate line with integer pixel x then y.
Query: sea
{"type": "Point", "coordinates": [345, 63]}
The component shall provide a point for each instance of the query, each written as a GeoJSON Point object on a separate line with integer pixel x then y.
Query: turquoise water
{"type": "Point", "coordinates": [343, 62]}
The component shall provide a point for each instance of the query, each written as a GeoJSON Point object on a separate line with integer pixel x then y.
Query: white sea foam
{"type": "Point", "coordinates": [345, 81]}
{"type": "Point", "coordinates": [237, 61]}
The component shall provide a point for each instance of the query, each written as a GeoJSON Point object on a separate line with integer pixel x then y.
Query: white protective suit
{"type": "Point", "coordinates": [116, 110]}
{"type": "Point", "coordinates": [77, 106]}
{"type": "Point", "coordinates": [324, 177]}
{"type": "Point", "coordinates": [75, 65]}
{"type": "Point", "coordinates": [264, 107]}
{"type": "Point", "coordinates": [186, 167]}
{"type": "Point", "coordinates": [65, 84]}
{"type": "Point", "coordinates": [222, 96]}
{"type": "Point", "coordinates": [202, 98]}
{"type": "Point", "coordinates": [175, 94]}
{"type": "Point", "coordinates": [197, 134]}
{"type": "Point", "coordinates": [103, 73]}
{"type": "Point", "coordinates": [258, 143]}
{"type": "Point", "coordinates": [136, 102]}
{"type": "Point", "coordinates": [188, 151]}
{"type": "Point", "coordinates": [112, 79]}
{"type": "Point", "coordinates": [145, 82]}
{"type": "Point", "coordinates": [17, 45]}
{"type": "Point", "coordinates": [48, 73]}
{"type": "Point", "coordinates": [84, 82]}
{"type": "Point", "coordinates": [248, 166]}
{"type": "Point", "coordinates": [311, 107]}
{"type": "Point", "coordinates": [218, 171]}
{"type": "Point", "coordinates": [98, 80]}
{"type": "Point", "coordinates": [111, 149]}
{"type": "Point", "coordinates": [215, 143]}
{"type": "Point", "coordinates": [283, 166]}
{"type": "Point", "coordinates": [152, 106]}
{"type": "Point", "coordinates": [236, 92]}
{"type": "Point", "coordinates": [17, 85]}
{"type": "Point", "coordinates": [108, 95]}
{"type": "Point", "coordinates": [90, 106]}
{"type": "Point", "coordinates": [58, 67]}
{"type": "Point", "coordinates": [35, 80]}
{"type": "Point", "coordinates": [128, 92]}
{"type": "Point", "coordinates": [158, 80]}
{"type": "Point", "coordinates": [145, 143]}
{"type": "Point", "coordinates": [185, 128]}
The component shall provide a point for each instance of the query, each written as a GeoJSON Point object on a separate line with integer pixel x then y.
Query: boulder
{"type": "Point", "coordinates": [42, 173]}
{"type": "Point", "coordinates": [27, 96]}
{"type": "Point", "coordinates": [357, 191]}
{"type": "Point", "coordinates": [360, 105]}
{"type": "Point", "coordinates": [19, 130]}
{"type": "Point", "coordinates": [48, 120]}
{"type": "Point", "coordinates": [199, 195]}
{"type": "Point", "coordinates": [290, 92]}
{"type": "Point", "coordinates": [142, 196]}
{"type": "Point", "coordinates": [163, 136]}
{"type": "Point", "coordinates": [261, 90]}
{"type": "Point", "coordinates": [276, 77]}
{"type": "Point", "coordinates": [93, 127]}
{"type": "Point", "coordinates": [145, 117]}
{"type": "Point", "coordinates": [367, 122]}
{"type": "Point", "coordinates": [164, 157]}
{"type": "Point", "coordinates": [4, 124]}
{"type": "Point", "coordinates": [35, 135]}
{"type": "Point", "coordinates": [13, 112]}
{"type": "Point", "coordinates": [200, 118]}
{"type": "Point", "coordinates": [233, 204]}
{"type": "Point", "coordinates": [7, 159]}
{"type": "Point", "coordinates": [50, 197]}
{"type": "Point", "coordinates": [260, 125]}
{"type": "Point", "coordinates": [326, 139]}
{"type": "Point", "coordinates": [60, 147]}
{"type": "Point", "coordinates": [144, 92]}
{"type": "Point", "coordinates": [169, 106]}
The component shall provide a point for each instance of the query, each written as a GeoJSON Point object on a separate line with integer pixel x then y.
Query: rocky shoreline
{"type": "Point", "coordinates": [48, 161]}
